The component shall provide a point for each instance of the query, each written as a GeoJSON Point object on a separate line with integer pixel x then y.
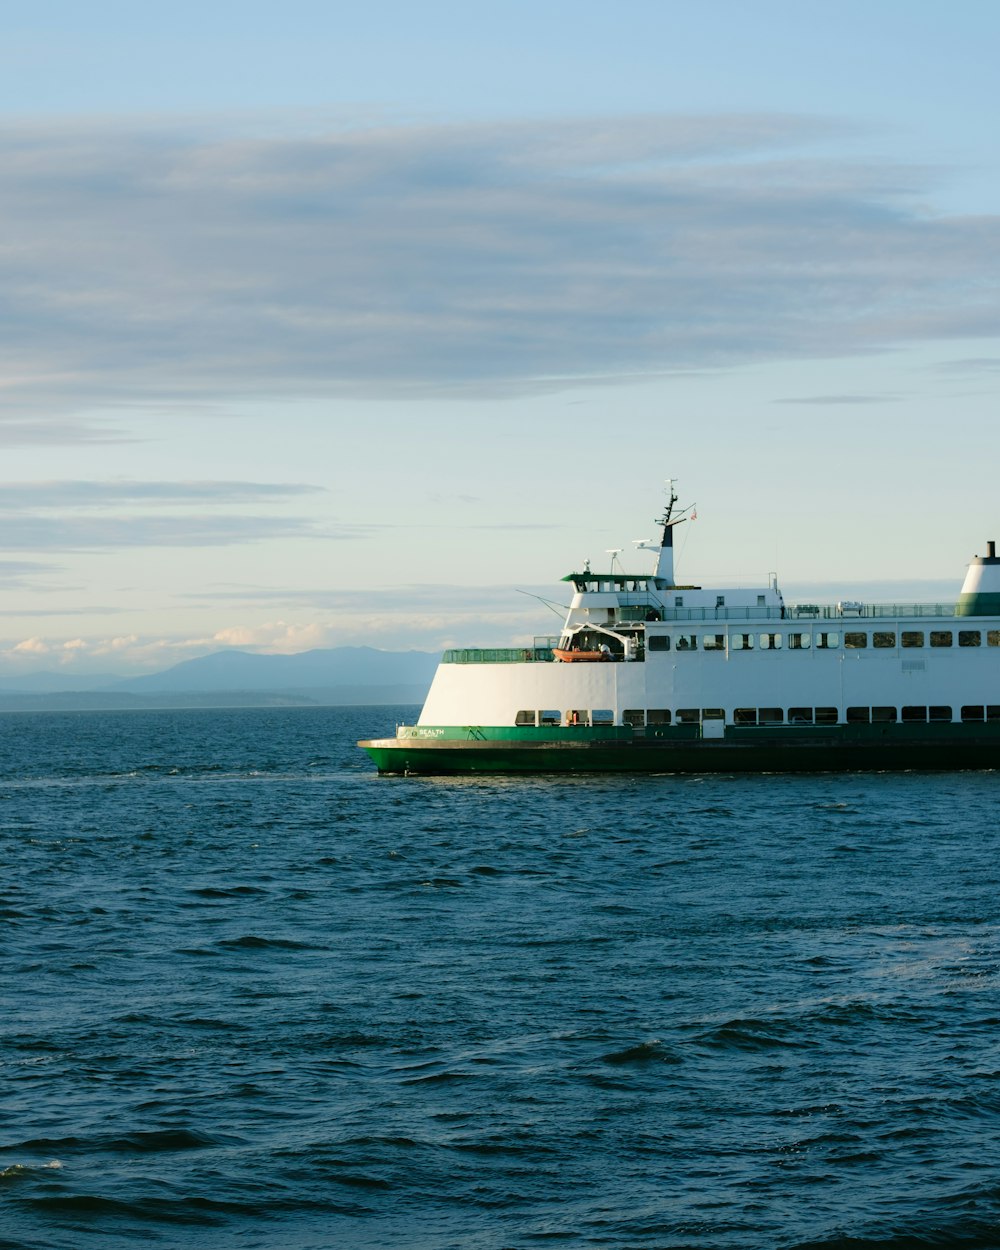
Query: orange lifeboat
{"type": "Point", "coordinates": [575, 657]}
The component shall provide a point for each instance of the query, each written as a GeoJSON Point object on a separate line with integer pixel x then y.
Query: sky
{"type": "Point", "coordinates": [322, 325]}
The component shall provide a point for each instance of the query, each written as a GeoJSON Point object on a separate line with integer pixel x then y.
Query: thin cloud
{"type": "Point", "coordinates": [26, 574]}
{"type": "Point", "coordinates": [398, 600]}
{"type": "Point", "coordinates": [39, 533]}
{"type": "Point", "coordinates": [162, 514]}
{"type": "Point", "coordinates": [17, 496]}
{"type": "Point", "coordinates": [839, 399]}
{"type": "Point", "coordinates": [185, 267]}
{"type": "Point", "coordinates": [972, 366]}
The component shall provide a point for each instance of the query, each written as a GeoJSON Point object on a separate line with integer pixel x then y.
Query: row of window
{"type": "Point", "coordinates": [822, 640]}
{"type": "Point", "coordinates": [638, 718]}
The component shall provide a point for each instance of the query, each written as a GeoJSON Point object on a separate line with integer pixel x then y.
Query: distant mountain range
{"type": "Point", "coordinates": [333, 675]}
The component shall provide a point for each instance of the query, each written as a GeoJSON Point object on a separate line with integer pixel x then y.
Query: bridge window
{"type": "Point", "coordinates": [970, 638]}
{"type": "Point", "coordinates": [940, 637]}
{"type": "Point", "coordinates": [856, 641]}
{"type": "Point", "coordinates": [913, 638]}
{"type": "Point", "coordinates": [883, 638]}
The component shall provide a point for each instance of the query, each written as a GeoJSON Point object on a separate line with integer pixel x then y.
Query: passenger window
{"type": "Point", "coordinates": [687, 642]}
{"type": "Point", "coordinates": [658, 716]}
{"type": "Point", "coordinates": [883, 715]}
{"type": "Point", "coordinates": [826, 716]}
{"type": "Point", "coordinates": [799, 642]}
{"type": "Point", "coordinates": [800, 716]}
{"type": "Point", "coordinates": [827, 640]}
{"type": "Point", "coordinates": [745, 716]}
{"type": "Point", "coordinates": [524, 718]}
{"type": "Point", "coordinates": [688, 716]}
{"type": "Point", "coordinates": [856, 641]}
{"type": "Point", "coordinates": [770, 642]}
{"type": "Point", "coordinates": [858, 715]}
{"type": "Point", "coordinates": [658, 642]}
{"type": "Point", "coordinates": [913, 638]}
{"type": "Point", "coordinates": [969, 638]}
{"type": "Point", "coordinates": [972, 712]}
{"type": "Point", "coordinates": [770, 716]}
{"type": "Point", "coordinates": [714, 642]}
{"type": "Point", "coordinates": [741, 642]}
{"type": "Point", "coordinates": [883, 638]}
{"type": "Point", "coordinates": [940, 637]}
{"type": "Point", "coordinates": [993, 637]}
{"type": "Point", "coordinates": [913, 715]}
{"type": "Point", "coordinates": [634, 716]}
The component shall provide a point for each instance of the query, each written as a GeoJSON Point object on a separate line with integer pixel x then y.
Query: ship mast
{"type": "Point", "coordinates": [665, 560]}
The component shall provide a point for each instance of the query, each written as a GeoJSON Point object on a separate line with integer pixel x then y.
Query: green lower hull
{"type": "Point", "coordinates": [838, 748]}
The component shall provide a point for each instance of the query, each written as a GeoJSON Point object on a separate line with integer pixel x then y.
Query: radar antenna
{"type": "Point", "coordinates": [667, 521]}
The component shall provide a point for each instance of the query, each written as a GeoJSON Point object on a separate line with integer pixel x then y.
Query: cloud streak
{"type": "Point", "coordinates": [189, 267]}
{"type": "Point", "coordinates": [162, 514]}
{"type": "Point", "coordinates": [18, 496]}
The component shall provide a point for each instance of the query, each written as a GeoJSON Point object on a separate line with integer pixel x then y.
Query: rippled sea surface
{"type": "Point", "coordinates": [254, 995]}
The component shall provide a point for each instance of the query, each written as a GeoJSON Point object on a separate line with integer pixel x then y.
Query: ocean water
{"type": "Point", "coordinates": [254, 995]}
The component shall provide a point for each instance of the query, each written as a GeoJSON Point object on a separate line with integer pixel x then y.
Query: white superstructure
{"type": "Point", "coordinates": [641, 650]}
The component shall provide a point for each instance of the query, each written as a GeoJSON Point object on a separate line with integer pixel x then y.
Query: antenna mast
{"type": "Point", "coordinates": [665, 561]}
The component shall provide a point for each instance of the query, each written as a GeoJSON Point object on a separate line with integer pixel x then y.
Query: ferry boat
{"type": "Point", "coordinates": [678, 678]}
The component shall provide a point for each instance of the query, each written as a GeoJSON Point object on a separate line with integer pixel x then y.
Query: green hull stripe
{"type": "Point", "coordinates": [834, 748]}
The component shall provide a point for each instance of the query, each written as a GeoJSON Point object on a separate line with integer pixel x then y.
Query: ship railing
{"type": "Point", "coordinates": [845, 610]}
{"type": "Point", "coordinates": [748, 613]}
{"type": "Point", "coordinates": [540, 652]}
{"type": "Point", "coordinates": [853, 610]}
